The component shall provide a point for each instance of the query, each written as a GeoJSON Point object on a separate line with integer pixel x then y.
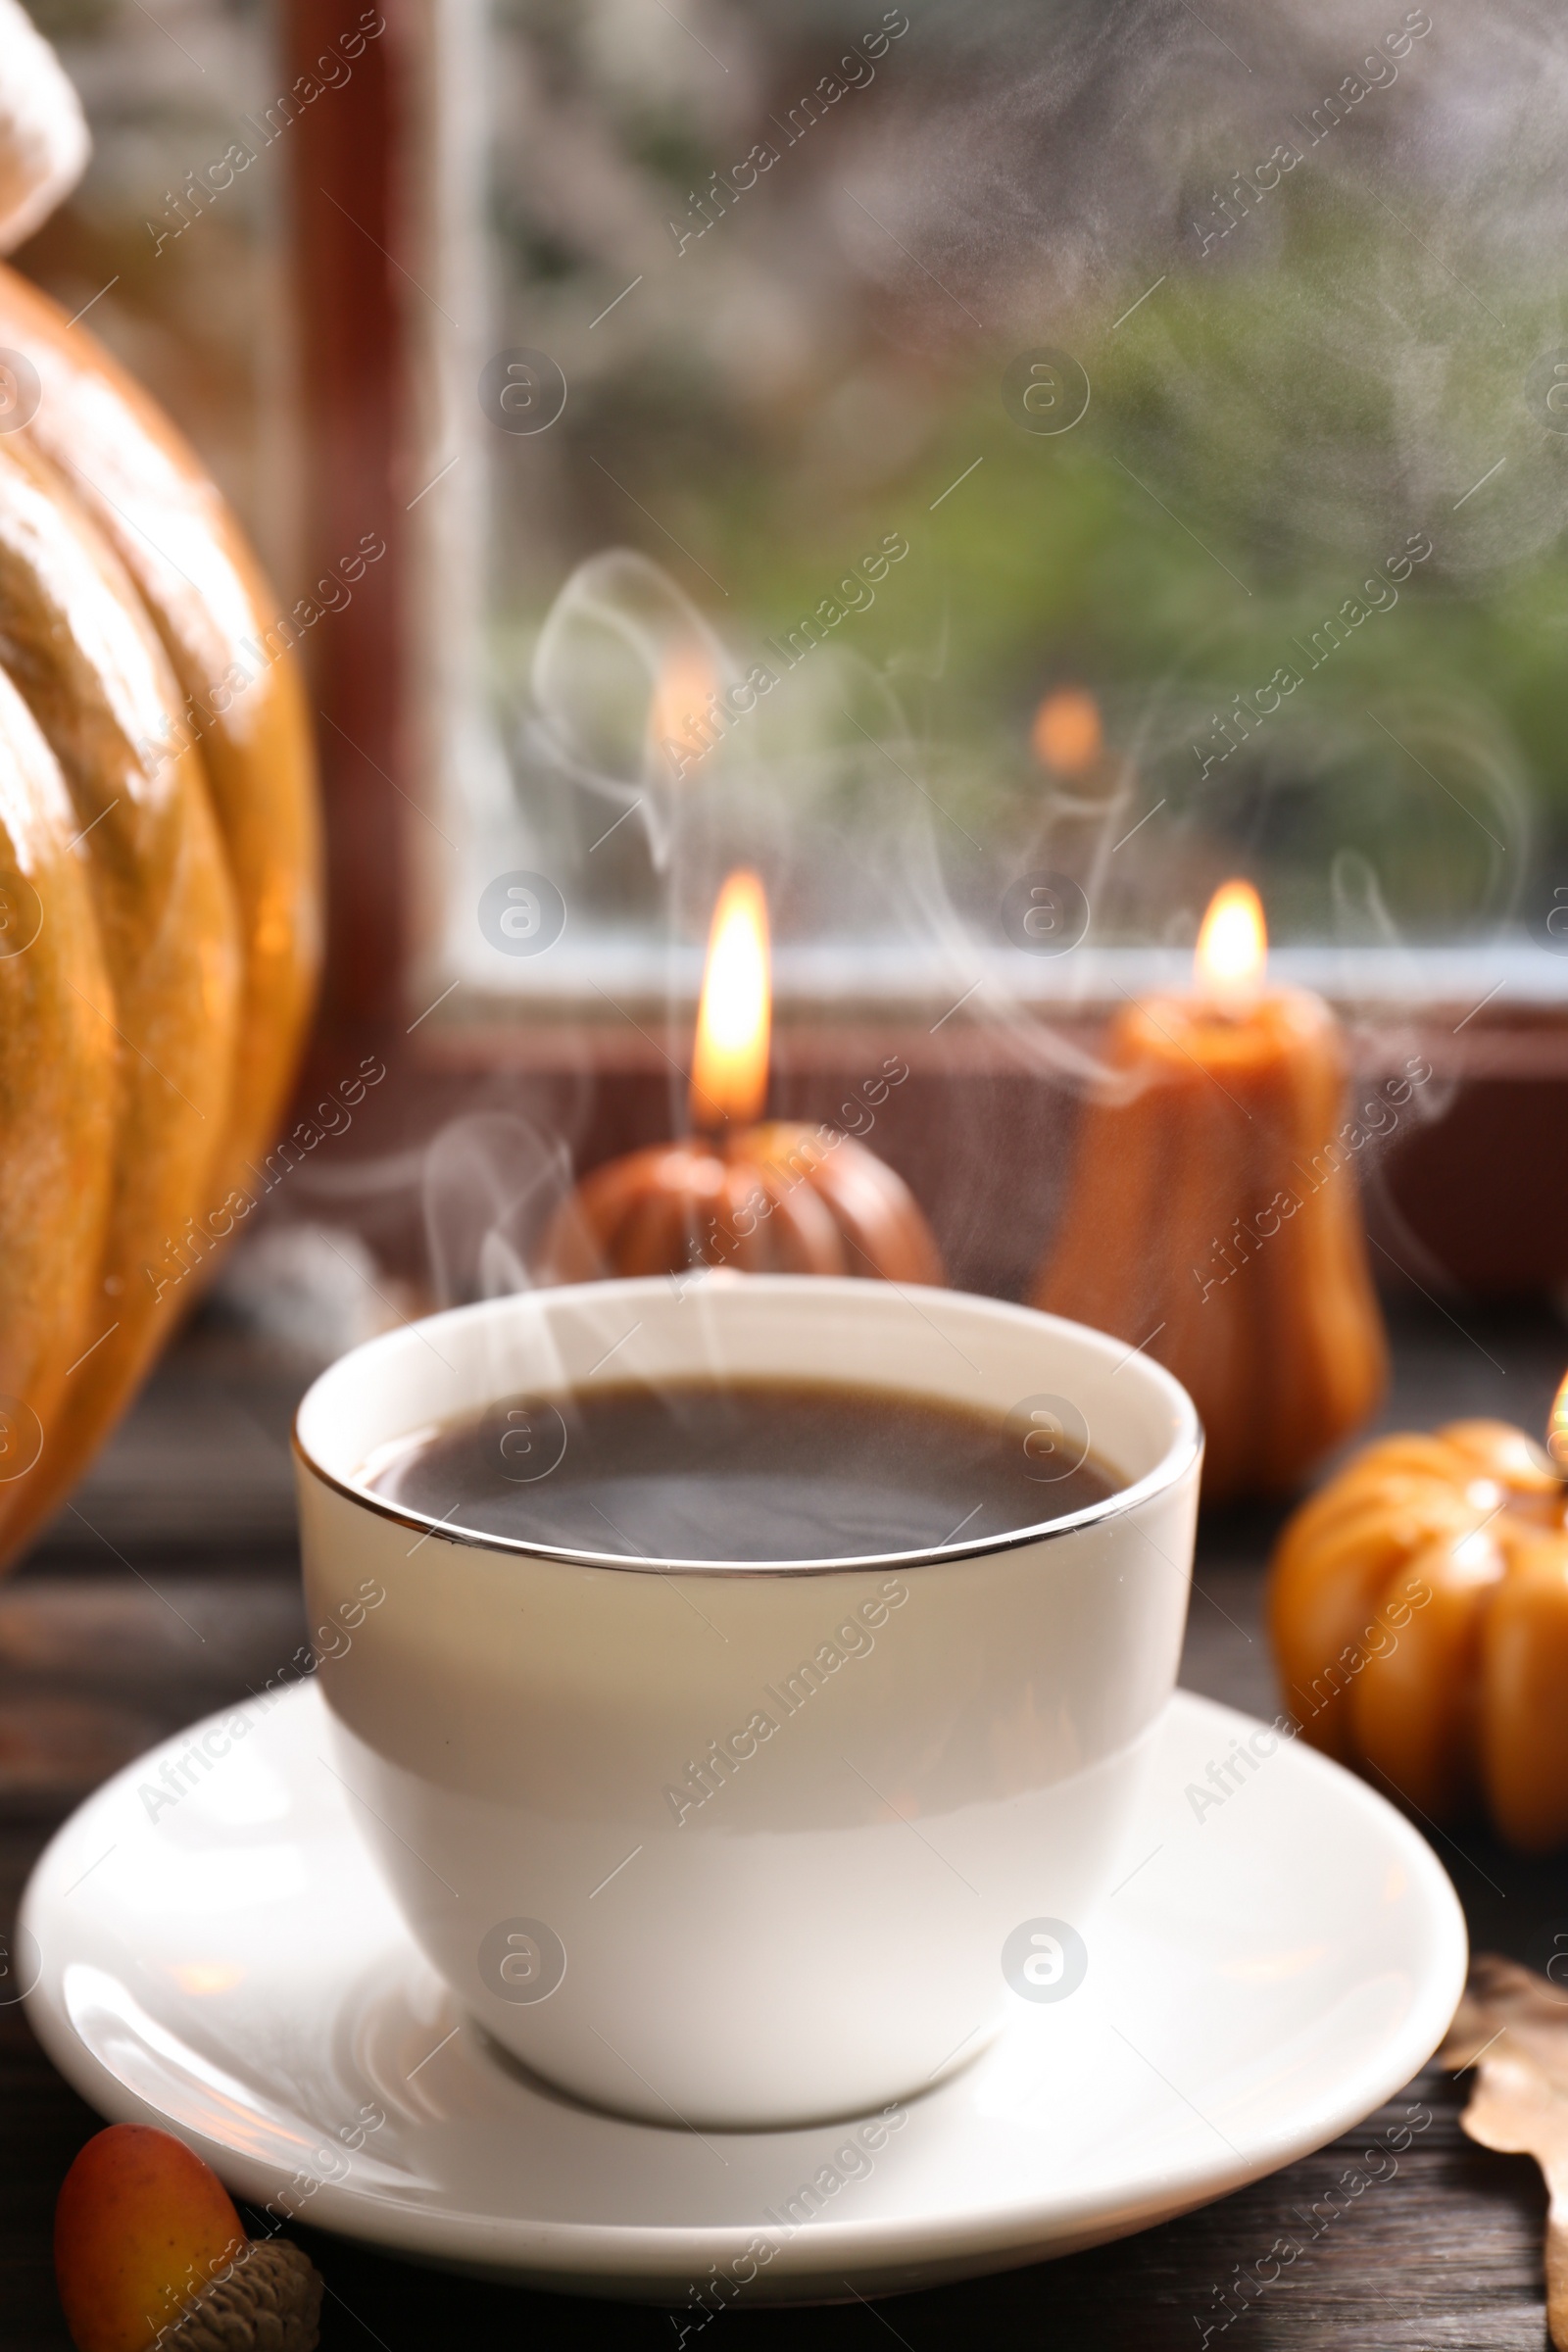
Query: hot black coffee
{"type": "Point", "coordinates": [748, 1470]}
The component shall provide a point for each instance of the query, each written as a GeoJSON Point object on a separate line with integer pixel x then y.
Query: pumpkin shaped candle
{"type": "Point", "coordinates": [779, 1198]}
{"type": "Point", "coordinates": [1213, 1218]}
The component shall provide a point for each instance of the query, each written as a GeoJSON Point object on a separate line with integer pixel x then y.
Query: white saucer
{"type": "Point", "coordinates": [1277, 1964]}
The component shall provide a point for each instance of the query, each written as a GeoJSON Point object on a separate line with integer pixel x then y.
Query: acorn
{"type": "Point", "coordinates": [270, 2302]}
{"type": "Point", "coordinates": [148, 2251]}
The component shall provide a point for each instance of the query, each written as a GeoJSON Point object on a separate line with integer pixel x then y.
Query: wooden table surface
{"type": "Point", "coordinates": [168, 1589]}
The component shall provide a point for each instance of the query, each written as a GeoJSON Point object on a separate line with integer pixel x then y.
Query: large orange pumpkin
{"type": "Point", "coordinates": [158, 894]}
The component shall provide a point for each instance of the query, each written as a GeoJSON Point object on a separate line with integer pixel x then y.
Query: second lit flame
{"type": "Point", "coordinates": [1066, 735]}
{"type": "Point", "coordinates": [1558, 1432]}
{"type": "Point", "coordinates": [730, 1068]}
{"type": "Point", "coordinates": [1232, 946]}
{"type": "Point", "coordinates": [682, 723]}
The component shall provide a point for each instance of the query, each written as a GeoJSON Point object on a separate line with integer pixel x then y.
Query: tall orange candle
{"type": "Point", "coordinates": [1213, 1214]}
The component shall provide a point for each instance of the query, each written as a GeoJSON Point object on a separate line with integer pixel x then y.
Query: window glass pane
{"type": "Point", "coordinates": [917, 369]}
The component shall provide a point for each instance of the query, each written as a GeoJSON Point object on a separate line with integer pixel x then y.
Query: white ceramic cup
{"type": "Point", "coordinates": [746, 1845]}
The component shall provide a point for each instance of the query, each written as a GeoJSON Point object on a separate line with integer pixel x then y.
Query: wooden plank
{"type": "Point", "coordinates": [1442, 2253]}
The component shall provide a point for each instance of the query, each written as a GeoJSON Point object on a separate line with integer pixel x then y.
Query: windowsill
{"type": "Point", "coordinates": [1501, 1008]}
{"type": "Point", "coordinates": [867, 974]}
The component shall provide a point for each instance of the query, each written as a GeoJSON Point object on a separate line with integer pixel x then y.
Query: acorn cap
{"type": "Point", "coordinates": [269, 2301]}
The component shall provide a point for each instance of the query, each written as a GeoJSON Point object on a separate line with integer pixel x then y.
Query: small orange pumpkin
{"type": "Point", "coordinates": [1418, 1609]}
{"type": "Point", "coordinates": [778, 1198]}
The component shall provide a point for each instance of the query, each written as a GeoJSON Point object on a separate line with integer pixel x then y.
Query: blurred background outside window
{"type": "Point", "coordinates": [805, 399]}
{"type": "Point", "coordinates": [920, 392]}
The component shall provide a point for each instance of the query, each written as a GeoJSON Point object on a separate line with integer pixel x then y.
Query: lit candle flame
{"type": "Point", "coordinates": [681, 726]}
{"type": "Point", "coordinates": [1067, 732]}
{"type": "Point", "coordinates": [1233, 945]}
{"type": "Point", "coordinates": [730, 1068]}
{"type": "Point", "coordinates": [1557, 1431]}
